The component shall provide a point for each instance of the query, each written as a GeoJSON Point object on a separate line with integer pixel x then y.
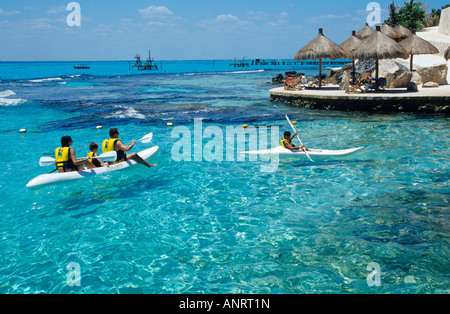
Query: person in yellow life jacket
{"type": "Point", "coordinates": [93, 147]}
{"type": "Point", "coordinates": [286, 142]}
{"type": "Point", "coordinates": [115, 144]}
{"type": "Point", "coordinates": [66, 161]}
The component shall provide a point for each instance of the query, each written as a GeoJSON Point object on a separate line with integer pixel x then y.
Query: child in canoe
{"type": "Point", "coordinates": [93, 147]}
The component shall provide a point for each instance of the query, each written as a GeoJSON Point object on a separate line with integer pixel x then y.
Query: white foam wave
{"type": "Point", "coordinates": [5, 102]}
{"type": "Point", "coordinates": [7, 93]}
{"type": "Point", "coordinates": [129, 113]}
{"type": "Point", "coordinates": [50, 79]}
{"type": "Point", "coordinates": [249, 71]}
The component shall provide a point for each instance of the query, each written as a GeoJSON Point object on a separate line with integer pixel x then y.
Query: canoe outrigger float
{"type": "Point", "coordinates": [54, 178]}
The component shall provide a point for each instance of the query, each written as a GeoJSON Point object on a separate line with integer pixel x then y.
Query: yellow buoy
{"type": "Point", "coordinates": [245, 126]}
{"type": "Point", "coordinates": [294, 122]}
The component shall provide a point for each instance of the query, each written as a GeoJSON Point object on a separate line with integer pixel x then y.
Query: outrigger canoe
{"type": "Point", "coordinates": [54, 178]}
{"type": "Point", "coordinates": [284, 152]}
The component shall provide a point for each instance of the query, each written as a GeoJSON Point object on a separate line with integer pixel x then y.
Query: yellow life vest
{"type": "Point", "coordinates": [62, 157]}
{"type": "Point", "coordinates": [284, 141]}
{"type": "Point", "coordinates": [108, 145]}
{"type": "Point", "coordinates": [91, 154]}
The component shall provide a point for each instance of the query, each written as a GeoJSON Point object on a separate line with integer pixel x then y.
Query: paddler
{"type": "Point", "coordinates": [93, 147]}
{"type": "Point", "coordinates": [115, 144]}
{"type": "Point", "coordinates": [286, 142]}
{"type": "Point", "coordinates": [66, 161]}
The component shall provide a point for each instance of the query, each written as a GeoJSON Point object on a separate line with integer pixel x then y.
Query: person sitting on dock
{"type": "Point", "coordinates": [66, 161]}
{"type": "Point", "coordinates": [93, 147]}
{"type": "Point", "coordinates": [115, 144]}
{"type": "Point", "coordinates": [286, 142]}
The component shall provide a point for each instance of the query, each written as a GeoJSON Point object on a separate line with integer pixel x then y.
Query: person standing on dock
{"type": "Point", "coordinates": [115, 144]}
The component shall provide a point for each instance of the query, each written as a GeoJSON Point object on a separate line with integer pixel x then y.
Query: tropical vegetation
{"type": "Point", "coordinates": [413, 15]}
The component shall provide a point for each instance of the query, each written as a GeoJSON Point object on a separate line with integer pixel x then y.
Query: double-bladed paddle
{"type": "Point", "coordinates": [146, 139]}
{"type": "Point", "coordinates": [106, 157]}
{"type": "Point", "coordinates": [304, 148]}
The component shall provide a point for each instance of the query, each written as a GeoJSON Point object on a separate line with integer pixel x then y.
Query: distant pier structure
{"type": "Point", "coordinates": [242, 64]}
{"type": "Point", "coordinates": [260, 62]}
{"type": "Point", "coordinates": [147, 66]}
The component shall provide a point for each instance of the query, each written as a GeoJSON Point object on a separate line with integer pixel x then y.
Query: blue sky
{"type": "Point", "coordinates": [175, 29]}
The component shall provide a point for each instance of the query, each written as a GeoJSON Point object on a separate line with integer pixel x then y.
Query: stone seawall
{"type": "Point", "coordinates": [436, 101]}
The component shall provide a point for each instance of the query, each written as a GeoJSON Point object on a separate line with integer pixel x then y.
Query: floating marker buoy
{"type": "Point", "coordinates": [245, 126]}
{"type": "Point", "coordinates": [169, 124]}
{"type": "Point", "coordinates": [294, 122]}
{"type": "Point", "coordinates": [22, 131]}
{"type": "Point", "coordinates": [99, 127]}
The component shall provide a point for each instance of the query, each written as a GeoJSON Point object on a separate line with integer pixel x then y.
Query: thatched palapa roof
{"type": "Point", "coordinates": [352, 43]}
{"type": "Point", "coordinates": [366, 32]}
{"type": "Point", "coordinates": [379, 46]}
{"type": "Point", "coordinates": [389, 31]}
{"type": "Point", "coordinates": [402, 32]}
{"type": "Point", "coordinates": [349, 45]}
{"type": "Point", "coordinates": [415, 45]}
{"type": "Point", "coordinates": [320, 48]}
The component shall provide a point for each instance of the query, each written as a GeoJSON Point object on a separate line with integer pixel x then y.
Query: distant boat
{"type": "Point", "coordinates": [81, 67]}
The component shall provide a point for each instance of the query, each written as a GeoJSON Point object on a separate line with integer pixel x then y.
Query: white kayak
{"type": "Point", "coordinates": [54, 178]}
{"type": "Point", "coordinates": [284, 152]}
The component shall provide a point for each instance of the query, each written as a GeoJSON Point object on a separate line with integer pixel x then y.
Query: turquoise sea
{"type": "Point", "coordinates": [216, 227]}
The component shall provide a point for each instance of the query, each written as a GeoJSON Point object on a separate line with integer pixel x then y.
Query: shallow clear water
{"type": "Point", "coordinates": [219, 227]}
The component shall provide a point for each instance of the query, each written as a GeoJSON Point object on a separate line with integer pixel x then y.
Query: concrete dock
{"type": "Point", "coordinates": [426, 100]}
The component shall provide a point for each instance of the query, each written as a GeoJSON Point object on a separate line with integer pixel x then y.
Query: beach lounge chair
{"type": "Point", "coordinates": [295, 83]}
{"type": "Point", "coordinates": [313, 83]}
{"type": "Point", "coordinates": [360, 84]}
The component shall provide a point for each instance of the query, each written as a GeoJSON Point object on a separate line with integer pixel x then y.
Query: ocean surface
{"type": "Point", "coordinates": [374, 222]}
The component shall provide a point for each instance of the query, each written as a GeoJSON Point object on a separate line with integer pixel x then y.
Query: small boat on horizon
{"type": "Point", "coordinates": [81, 67]}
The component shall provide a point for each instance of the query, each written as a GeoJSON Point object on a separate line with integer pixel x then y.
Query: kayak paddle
{"type": "Point", "coordinates": [146, 139]}
{"type": "Point", "coordinates": [287, 118]}
{"type": "Point", "coordinates": [107, 157]}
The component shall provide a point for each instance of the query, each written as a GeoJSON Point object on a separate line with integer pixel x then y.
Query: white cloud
{"type": "Point", "coordinates": [227, 18]}
{"type": "Point", "coordinates": [258, 15]}
{"type": "Point", "coordinates": [6, 13]}
{"type": "Point", "coordinates": [57, 10]}
{"type": "Point", "coordinates": [153, 11]}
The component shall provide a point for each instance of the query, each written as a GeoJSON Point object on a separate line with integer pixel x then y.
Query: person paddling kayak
{"type": "Point", "coordinates": [66, 161]}
{"type": "Point", "coordinates": [286, 142]}
{"type": "Point", "coordinates": [115, 144]}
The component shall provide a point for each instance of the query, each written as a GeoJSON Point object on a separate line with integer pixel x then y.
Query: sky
{"type": "Point", "coordinates": [175, 29]}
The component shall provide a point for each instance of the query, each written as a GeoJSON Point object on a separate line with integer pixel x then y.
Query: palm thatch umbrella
{"type": "Point", "coordinates": [402, 32]}
{"type": "Point", "coordinates": [378, 47]}
{"type": "Point", "coordinates": [389, 31]}
{"type": "Point", "coordinates": [415, 45]}
{"type": "Point", "coordinates": [320, 48]}
{"type": "Point", "coordinates": [349, 45]}
{"type": "Point", "coordinates": [447, 54]}
{"type": "Point", "coordinates": [364, 33]}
